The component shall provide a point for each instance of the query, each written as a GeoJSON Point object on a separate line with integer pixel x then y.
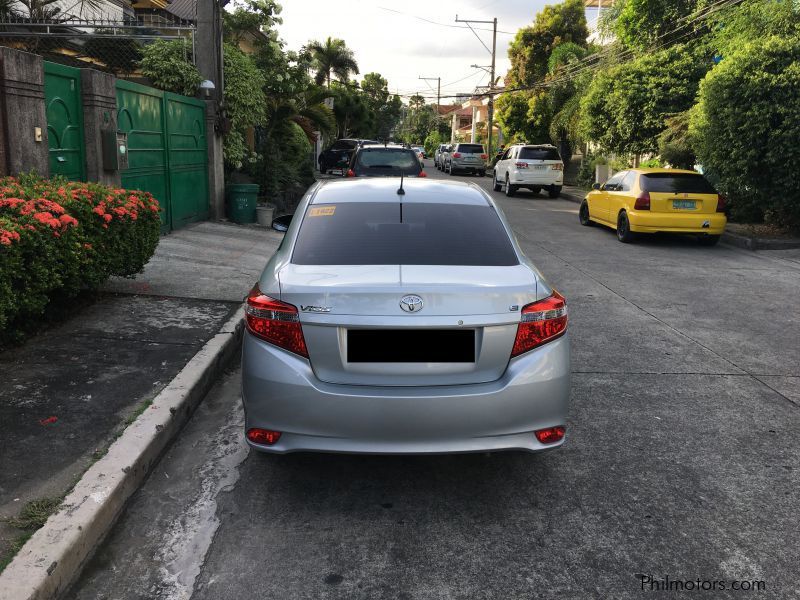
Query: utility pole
{"type": "Point", "coordinates": [438, 90]}
{"type": "Point", "coordinates": [493, 52]}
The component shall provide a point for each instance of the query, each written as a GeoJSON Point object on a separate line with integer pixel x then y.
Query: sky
{"type": "Point", "coordinates": [392, 39]}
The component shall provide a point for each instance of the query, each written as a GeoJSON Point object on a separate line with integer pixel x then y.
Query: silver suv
{"type": "Point", "coordinates": [466, 157]}
{"type": "Point", "coordinates": [437, 156]}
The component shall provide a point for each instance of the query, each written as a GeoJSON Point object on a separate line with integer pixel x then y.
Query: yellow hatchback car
{"type": "Point", "coordinates": [656, 200]}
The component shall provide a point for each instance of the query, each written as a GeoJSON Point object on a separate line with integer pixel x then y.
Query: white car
{"type": "Point", "coordinates": [529, 166]}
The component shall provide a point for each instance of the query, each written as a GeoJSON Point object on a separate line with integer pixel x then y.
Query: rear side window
{"type": "Point", "coordinates": [383, 233]}
{"type": "Point", "coordinates": [343, 145]}
{"type": "Point", "coordinates": [529, 153]}
{"type": "Point", "coordinates": [470, 148]}
{"type": "Point", "coordinates": [689, 183]}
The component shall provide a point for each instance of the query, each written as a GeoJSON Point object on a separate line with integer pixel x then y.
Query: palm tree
{"type": "Point", "coordinates": [332, 57]}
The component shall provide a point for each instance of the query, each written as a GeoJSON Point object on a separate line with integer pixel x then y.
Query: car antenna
{"type": "Point", "coordinates": [400, 190]}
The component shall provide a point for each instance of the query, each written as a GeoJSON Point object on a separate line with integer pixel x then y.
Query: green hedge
{"type": "Point", "coordinates": [58, 238]}
{"type": "Point", "coordinates": [746, 128]}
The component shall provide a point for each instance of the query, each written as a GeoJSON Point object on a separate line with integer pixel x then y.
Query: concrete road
{"type": "Point", "coordinates": [681, 470]}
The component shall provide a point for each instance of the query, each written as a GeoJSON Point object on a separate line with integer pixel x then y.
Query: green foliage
{"type": "Point", "coordinates": [652, 163]}
{"type": "Point", "coordinates": [674, 143]}
{"type": "Point", "coordinates": [530, 50]}
{"type": "Point", "coordinates": [746, 128]}
{"type": "Point", "coordinates": [625, 107]}
{"type": "Point", "coordinates": [432, 142]}
{"type": "Point", "coordinates": [167, 64]}
{"type": "Point", "coordinates": [244, 102]}
{"type": "Point", "coordinates": [244, 17]}
{"type": "Point", "coordinates": [640, 23]}
{"type": "Point", "coordinates": [58, 238]}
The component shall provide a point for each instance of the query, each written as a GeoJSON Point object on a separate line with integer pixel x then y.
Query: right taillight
{"type": "Point", "coordinates": [642, 202]}
{"type": "Point", "coordinates": [541, 322]}
{"type": "Point", "coordinates": [722, 202]}
{"type": "Point", "coordinates": [275, 322]}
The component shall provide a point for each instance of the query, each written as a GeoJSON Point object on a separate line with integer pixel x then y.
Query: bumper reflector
{"type": "Point", "coordinates": [551, 435]}
{"type": "Point", "coordinates": [264, 437]}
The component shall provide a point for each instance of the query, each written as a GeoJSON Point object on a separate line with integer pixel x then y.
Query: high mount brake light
{"type": "Point", "coordinates": [542, 322]}
{"type": "Point", "coordinates": [275, 322]}
{"type": "Point", "coordinates": [642, 202]}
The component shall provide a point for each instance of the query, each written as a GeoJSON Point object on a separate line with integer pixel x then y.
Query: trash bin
{"type": "Point", "coordinates": [241, 200]}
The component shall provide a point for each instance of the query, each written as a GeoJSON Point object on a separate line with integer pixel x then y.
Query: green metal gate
{"type": "Point", "coordinates": [62, 93]}
{"type": "Point", "coordinates": [166, 151]}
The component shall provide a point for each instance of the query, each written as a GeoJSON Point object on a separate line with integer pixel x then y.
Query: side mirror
{"type": "Point", "coordinates": [595, 186]}
{"type": "Point", "coordinates": [282, 223]}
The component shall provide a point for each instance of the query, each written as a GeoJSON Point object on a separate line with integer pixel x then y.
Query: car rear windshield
{"type": "Point", "coordinates": [470, 148]}
{"type": "Point", "coordinates": [539, 154]}
{"type": "Point", "coordinates": [688, 183]}
{"type": "Point", "coordinates": [387, 161]}
{"type": "Point", "coordinates": [391, 233]}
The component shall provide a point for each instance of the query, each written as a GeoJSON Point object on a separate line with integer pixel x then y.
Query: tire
{"type": "Point", "coordinates": [624, 233]}
{"type": "Point", "coordinates": [536, 189]}
{"type": "Point", "coordinates": [708, 240]}
{"type": "Point", "coordinates": [554, 191]}
{"type": "Point", "coordinates": [480, 173]}
{"type": "Point", "coordinates": [495, 184]}
{"type": "Point", "coordinates": [510, 189]}
{"type": "Point", "coordinates": [452, 171]}
{"type": "Point", "coordinates": [583, 214]}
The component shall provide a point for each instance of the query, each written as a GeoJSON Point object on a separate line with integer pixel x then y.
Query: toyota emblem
{"type": "Point", "coordinates": [411, 303]}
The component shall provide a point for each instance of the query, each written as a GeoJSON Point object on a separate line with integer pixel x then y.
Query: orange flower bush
{"type": "Point", "coordinates": [59, 237]}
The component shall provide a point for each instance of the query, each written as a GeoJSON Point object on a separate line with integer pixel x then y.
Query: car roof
{"type": "Point", "coordinates": [648, 170]}
{"type": "Point", "coordinates": [384, 189]}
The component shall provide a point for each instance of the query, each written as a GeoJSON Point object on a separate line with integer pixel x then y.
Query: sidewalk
{"type": "Point", "coordinates": [68, 392]}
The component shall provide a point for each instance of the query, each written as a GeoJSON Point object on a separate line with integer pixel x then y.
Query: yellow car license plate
{"type": "Point", "coordinates": [683, 204]}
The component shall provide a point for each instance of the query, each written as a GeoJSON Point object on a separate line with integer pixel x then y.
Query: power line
{"type": "Point", "coordinates": [392, 10]}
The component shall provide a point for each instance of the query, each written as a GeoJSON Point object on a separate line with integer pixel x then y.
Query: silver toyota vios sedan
{"type": "Point", "coordinates": [403, 321]}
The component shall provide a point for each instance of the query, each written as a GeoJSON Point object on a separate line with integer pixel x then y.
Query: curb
{"type": "Point", "coordinates": [52, 559]}
{"type": "Point", "coordinates": [750, 243]}
{"type": "Point", "coordinates": [571, 197]}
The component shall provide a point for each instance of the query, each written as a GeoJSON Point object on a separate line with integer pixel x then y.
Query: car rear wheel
{"type": "Point", "coordinates": [510, 189]}
{"type": "Point", "coordinates": [496, 184]}
{"type": "Point", "coordinates": [708, 240]}
{"type": "Point", "coordinates": [583, 214]}
{"type": "Point", "coordinates": [554, 191]}
{"type": "Point", "coordinates": [450, 169]}
{"type": "Point", "coordinates": [624, 233]}
{"type": "Point", "coordinates": [536, 189]}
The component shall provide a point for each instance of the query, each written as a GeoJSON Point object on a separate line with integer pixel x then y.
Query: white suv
{"type": "Point", "coordinates": [529, 166]}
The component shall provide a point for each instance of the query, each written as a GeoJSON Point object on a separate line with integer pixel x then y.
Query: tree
{"type": "Point", "coordinates": [118, 54]}
{"type": "Point", "coordinates": [745, 129]}
{"type": "Point", "coordinates": [244, 102]}
{"type": "Point", "coordinates": [332, 58]}
{"type": "Point", "coordinates": [167, 64]}
{"type": "Point", "coordinates": [531, 48]}
{"type": "Point", "coordinates": [385, 108]}
{"type": "Point", "coordinates": [244, 17]}
{"type": "Point", "coordinates": [641, 22]}
{"type": "Point", "coordinates": [626, 106]}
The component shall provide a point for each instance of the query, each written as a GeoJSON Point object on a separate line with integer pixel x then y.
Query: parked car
{"type": "Point", "coordinates": [444, 156]}
{"type": "Point", "coordinates": [385, 161]}
{"type": "Point", "coordinates": [403, 324]}
{"type": "Point", "coordinates": [337, 157]}
{"type": "Point", "coordinates": [420, 151]}
{"type": "Point", "coordinates": [656, 200]}
{"type": "Point", "coordinates": [529, 166]}
{"type": "Point", "coordinates": [469, 158]}
{"type": "Point", "coordinates": [438, 154]}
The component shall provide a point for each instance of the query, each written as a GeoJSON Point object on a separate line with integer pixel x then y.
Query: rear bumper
{"type": "Point", "coordinates": [647, 222]}
{"type": "Point", "coordinates": [468, 165]}
{"type": "Point", "coordinates": [280, 392]}
{"type": "Point", "coordinates": [536, 179]}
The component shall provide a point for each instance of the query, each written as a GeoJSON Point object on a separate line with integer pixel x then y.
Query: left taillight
{"type": "Point", "coordinates": [275, 322]}
{"type": "Point", "coordinates": [541, 322]}
{"type": "Point", "coordinates": [642, 202]}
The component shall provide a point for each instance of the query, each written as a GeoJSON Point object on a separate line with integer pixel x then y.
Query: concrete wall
{"type": "Point", "coordinates": [23, 119]}
{"type": "Point", "coordinates": [99, 98]}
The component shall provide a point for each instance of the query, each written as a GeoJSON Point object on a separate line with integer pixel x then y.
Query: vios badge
{"type": "Point", "coordinates": [411, 303]}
